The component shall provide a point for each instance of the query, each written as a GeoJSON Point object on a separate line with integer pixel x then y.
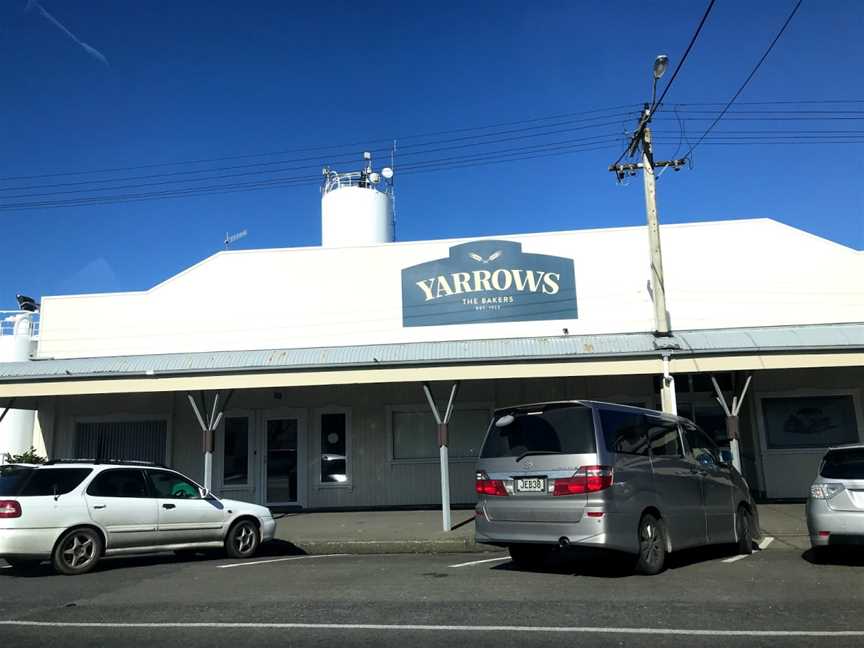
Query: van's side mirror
{"type": "Point", "coordinates": [205, 494]}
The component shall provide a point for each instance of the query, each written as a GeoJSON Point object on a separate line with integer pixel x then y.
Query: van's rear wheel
{"type": "Point", "coordinates": [652, 546]}
{"type": "Point", "coordinates": [528, 555]}
{"type": "Point", "coordinates": [744, 529]}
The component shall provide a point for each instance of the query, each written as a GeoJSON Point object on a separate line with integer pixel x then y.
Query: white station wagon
{"type": "Point", "coordinates": [74, 513]}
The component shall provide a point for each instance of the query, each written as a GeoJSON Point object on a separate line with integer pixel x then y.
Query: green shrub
{"type": "Point", "coordinates": [27, 457]}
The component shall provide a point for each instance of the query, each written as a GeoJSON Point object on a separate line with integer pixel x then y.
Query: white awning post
{"type": "Point", "coordinates": [732, 428]}
{"type": "Point", "coordinates": [208, 430]}
{"type": "Point", "coordinates": [668, 398]}
{"type": "Point", "coordinates": [443, 451]}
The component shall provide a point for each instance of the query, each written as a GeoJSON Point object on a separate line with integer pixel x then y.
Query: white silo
{"type": "Point", "coordinates": [357, 207]}
{"type": "Point", "coordinates": [17, 343]}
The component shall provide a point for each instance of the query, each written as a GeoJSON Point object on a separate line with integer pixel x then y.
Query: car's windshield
{"type": "Point", "coordinates": [843, 464]}
{"type": "Point", "coordinates": [559, 430]}
{"type": "Point", "coordinates": [12, 478]}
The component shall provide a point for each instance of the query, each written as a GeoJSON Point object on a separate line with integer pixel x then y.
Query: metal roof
{"type": "Point", "coordinates": [827, 337]}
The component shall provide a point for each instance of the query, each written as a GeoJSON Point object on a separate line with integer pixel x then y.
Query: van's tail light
{"type": "Point", "coordinates": [588, 479]}
{"type": "Point", "coordinates": [9, 509]}
{"type": "Point", "coordinates": [486, 486]}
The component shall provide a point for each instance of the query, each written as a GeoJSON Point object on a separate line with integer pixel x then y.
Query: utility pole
{"type": "Point", "coordinates": [642, 139]}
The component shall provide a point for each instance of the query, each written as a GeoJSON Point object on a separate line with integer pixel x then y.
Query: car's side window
{"type": "Point", "coordinates": [169, 485]}
{"type": "Point", "coordinates": [702, 449]}
{"type": "Point", "coordinates": [664, 438]}
{"type": "Point", "coordinates": [119, 482]}
{"type": "Point", "coordinates": [624, 432]}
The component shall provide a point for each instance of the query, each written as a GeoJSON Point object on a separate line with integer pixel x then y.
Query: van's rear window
{"type": "Point", "coordinates": [844, 464]}
{"type": "Point", "coordinates": [568, 430]}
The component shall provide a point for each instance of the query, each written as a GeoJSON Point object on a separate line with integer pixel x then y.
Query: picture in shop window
{"type": "Point", "coordinates": [810, 422]}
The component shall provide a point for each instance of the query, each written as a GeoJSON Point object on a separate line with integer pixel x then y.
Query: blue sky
{"type": "Point", "coordinates": [203, 80]}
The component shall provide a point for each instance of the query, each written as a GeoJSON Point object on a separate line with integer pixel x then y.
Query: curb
{"type": "Point", "coordinates": [324, 547]}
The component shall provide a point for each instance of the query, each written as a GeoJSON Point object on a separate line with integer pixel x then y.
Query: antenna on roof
{"type": "Point", "coordinates": [233, 238]}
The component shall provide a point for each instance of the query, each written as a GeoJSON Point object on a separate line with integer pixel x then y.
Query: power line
{"type": "Point", "coordinates": [772, 103]}
{"type": "Point", "coordinates": [318, 162]}
{"type": "Point", "coordinates": [650, 113]}
{"type": "Point", "coordinates": [432, 165]}
{"type": "Point", "coordinates": [364, 143]}
{"type": "Point", "coordinates": [747, 80]}
{"type": "Point", "coordinates": [288, 169]}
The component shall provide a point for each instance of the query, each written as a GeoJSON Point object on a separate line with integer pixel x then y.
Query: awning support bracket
{"type": "Point", "coordinates": [732, 418]}
{"type": "Point", "coordinates": [209, 428]}
{"type": "Point", "coordinates": [443, 452]}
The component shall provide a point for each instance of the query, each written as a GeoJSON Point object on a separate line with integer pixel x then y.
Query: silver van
{"type": "Point", "coordinates": [592, 474]}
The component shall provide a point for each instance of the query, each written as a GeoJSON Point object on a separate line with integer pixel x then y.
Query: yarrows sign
{"type": "Point", "coordinates": [488, 281]}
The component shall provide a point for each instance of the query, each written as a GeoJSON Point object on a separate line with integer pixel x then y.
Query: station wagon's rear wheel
{"type": "Point", "coordinates": [77, 552]}
{"type": "Point", "coordinates": [242, 540]}
{"type": "Point", "coordinates": [652, 546]}
{"type": "Point", "coordinates": [744, 529]}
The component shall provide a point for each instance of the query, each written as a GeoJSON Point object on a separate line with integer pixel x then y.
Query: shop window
{"type": "Point", "coordinates": [122, 440]}
{"type": "Point", "coordinates": [415, 434]}
{"type": "Point", "coordinates": [334, 448]}
{"type": "Point", "coordinates": [235, 462]}
{"type": "Point", "coordinates": [625, 432]}
{"type": "Point", "coordinates": [809, 421]}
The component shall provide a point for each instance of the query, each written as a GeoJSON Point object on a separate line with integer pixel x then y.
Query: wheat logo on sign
{"type": "Point", "coordinates": [480, 259]}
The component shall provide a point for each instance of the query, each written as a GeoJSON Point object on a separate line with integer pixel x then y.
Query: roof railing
{"type": "Point", "coordinates": [18, 322]}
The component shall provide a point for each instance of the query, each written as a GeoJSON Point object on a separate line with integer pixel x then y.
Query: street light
{"type": "Point", "coordinates": [660, 65]}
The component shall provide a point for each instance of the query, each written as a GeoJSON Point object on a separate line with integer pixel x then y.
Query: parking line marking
{"type": "Point", "coordinates": [275, 560]}
{"type": "Point", "coordinates": [765, 542]}
{"type": "Point", "coordinates": [736, 558]}
{"type": "Point", "coordinates": [479, 562]}
{"type": "Point", "coordinates": [451, 628]}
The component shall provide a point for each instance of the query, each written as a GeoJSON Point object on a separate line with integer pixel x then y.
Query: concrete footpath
{"type": "Point", "coordinates": [374, 532]}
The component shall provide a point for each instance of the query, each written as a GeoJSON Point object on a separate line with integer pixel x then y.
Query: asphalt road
{"type": "Point", "coordinates": [768, 599]}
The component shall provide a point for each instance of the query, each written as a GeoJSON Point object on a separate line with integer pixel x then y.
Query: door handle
{"type": "Point", "coordinates": [169, 506]}
{"type": "Point", "coordinates": [99, 506]}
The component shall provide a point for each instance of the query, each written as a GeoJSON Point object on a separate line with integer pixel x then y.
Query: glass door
{"type": "Point", "coordinates": [283, 464]}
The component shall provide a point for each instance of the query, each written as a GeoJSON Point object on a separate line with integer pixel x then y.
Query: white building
{"type": "Point", "coordinates": [318, 355]}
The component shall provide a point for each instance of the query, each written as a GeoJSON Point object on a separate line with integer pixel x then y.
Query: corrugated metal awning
{"type": "Point", "coordinates": [613, 354]}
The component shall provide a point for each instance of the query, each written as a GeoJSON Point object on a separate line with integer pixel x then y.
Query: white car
{"type": "Point", "coordinates": [74, 513]}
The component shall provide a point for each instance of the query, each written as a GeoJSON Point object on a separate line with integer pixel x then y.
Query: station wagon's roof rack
{"type": "Point", "coordinates": [122, 462]}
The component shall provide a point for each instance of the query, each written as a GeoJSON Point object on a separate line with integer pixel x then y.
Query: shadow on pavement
{"type": "Point", "coordinates": [843, 556]}
{"type": "Point", "coordinates": [594, 562]}
{"type": "Point", "coordinates": [274, 549]}
{"type": "Point", "coordinates": [612, 564]}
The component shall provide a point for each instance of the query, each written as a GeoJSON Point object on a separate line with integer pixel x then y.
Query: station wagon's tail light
{"type": "Point", "coordinates": [486, 486]}
{"type": "Point", "coordinates": [588, 479]}
{"type": "Point", "coordinates": [9, 509]}
{"type": "Point", "coordinates": [825, 491]}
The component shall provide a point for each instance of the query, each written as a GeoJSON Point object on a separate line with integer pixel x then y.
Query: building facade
{"type": "Point", "coordinates": [308, 363]}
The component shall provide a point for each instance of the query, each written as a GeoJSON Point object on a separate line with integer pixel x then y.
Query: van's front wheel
{"type": "Point", "coordinates": [652, 546]}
